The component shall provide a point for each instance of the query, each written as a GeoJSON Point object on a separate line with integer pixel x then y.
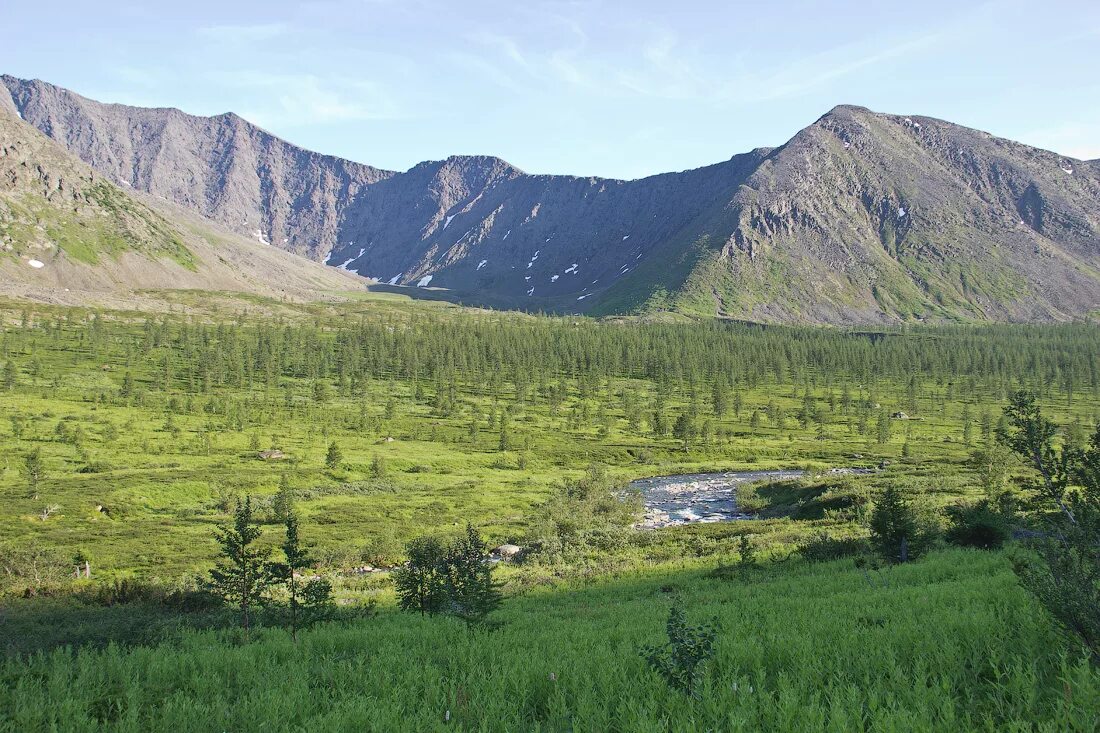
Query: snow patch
{"type": "Point", "coordinates": [526, 277]}
{"type": "Point", "coordinates": [344, 266]}
{"type": "Point", "coordinates": [626, 237]}
{"type": "Point", "coordinates": [448, 222]}
{"type": "Point", "coordinates": [554, 278]}
{"type": "Point", "coordinates": [482, 264]}
{"type": "Point", "coordinates": [572, 269]}
{"type": "Point", "coordinates": [901, 211]}
{"type": "Point", "coordinates": [423, 283]}
{"type": "Point", "coordinates": [531, 292]}
{"type": "Point", "coordinates": [36, 264]}
{"type": "Point", "coordinates": [1068, 169]}
{"type": "Point", "coordinates": [328, 257]}
{"type": "Point", "coordinates": [395, 278]}
{"type": "Point", "coordinates": [506, 234]}
{"type": "Point", "coordinates": [583, 297]}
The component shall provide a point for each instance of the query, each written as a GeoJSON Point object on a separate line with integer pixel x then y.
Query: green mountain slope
{"type": "Point", "coordinates": [872, 217]}
{"type": "Point", "coordinates": [66, 229]}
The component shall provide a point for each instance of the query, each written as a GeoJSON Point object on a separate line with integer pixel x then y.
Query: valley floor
{"type": "Point", "coordinates": [126, 439]}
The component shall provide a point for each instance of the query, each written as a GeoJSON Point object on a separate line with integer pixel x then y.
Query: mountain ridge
{"type": "Point", "coordinates": [67, 234]}
{"type": "Point", "coordinates": [861, 217]}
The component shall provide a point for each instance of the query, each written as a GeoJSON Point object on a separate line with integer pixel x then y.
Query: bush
{"type": "Point", "coordinates": [579, 508]}
{"type": "Point", "coordinates": [820, 547]}
{"type": "Point", "coordinates": [185, 596]}
{"type": "Point", "coordinates": [682, 661]}
{"type": "Point", "coordinates": [978, 525]}
{"type": "Point", "coordinates": [898, 532]}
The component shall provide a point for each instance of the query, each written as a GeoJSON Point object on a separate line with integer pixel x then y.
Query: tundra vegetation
{"type": "Point", "coordinates": [285, 522]}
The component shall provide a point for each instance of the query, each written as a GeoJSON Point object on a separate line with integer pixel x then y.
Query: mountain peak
{"type": "Point", "coordinates": [860, 217]}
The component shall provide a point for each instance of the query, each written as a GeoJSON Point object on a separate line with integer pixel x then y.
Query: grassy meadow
{"type": "Point", "coordinates": [150, 426]}
{"type": "Point", "coordinates": [950, 643]}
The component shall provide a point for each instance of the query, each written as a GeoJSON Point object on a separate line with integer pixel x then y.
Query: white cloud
{"type": "Point", "coordinates": [288, 100]}
{"type": "Point", "coordinates": [237, 34]}
{"type": "Point", "coordinates": [810, 73]}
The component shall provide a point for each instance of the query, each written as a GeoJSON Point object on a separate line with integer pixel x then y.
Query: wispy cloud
{"type": "Point", "coordinates": [810, 73]}
{"type": "Point", "coordinates": [237, 34]}
{"type": "Point", "coordinates": [289, 100]}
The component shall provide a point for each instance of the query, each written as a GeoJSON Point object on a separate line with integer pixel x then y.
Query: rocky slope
{"type": "Point", "coordinates": [222, 167]}
{"type": "Point", "coordinates": [861, 217]}
{"type": "Point", "coordinates": [64, 228]}
{"type": "Point", "coordinates": [866, 217]}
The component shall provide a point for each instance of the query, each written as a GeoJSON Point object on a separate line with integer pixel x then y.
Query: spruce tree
{"type": "Point", "coordinates": [334, 457]}
{"type": "Point", "coordinates": [894, 529]}
{"type": "Point", "coordinates": [34, 469]}
{"type": "Point", "coordinates": [283, 503]}
{"type": "Point", "coordinates": [309, 602]}
{"type": "Point", "coordinates": [421, 583]}
{"type": "Point", "coordinates": [472, 594]}
{"type": "Point", "coordinates": [241, 575]}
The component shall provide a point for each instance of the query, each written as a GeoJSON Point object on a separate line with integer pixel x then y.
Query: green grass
{"type": "Point", "coordinates": [112, 226]}
{"type": "Point", "coordinates": [145, 462]}
{"type": "Point", "coordinates": [147, 427]}
{"type": "Point", "coordinates": [947, 644]}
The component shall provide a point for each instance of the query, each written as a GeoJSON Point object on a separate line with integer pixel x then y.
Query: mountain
{"type": "Point", "coordinates": [220, 167]}
{"type": "Point", "coordinates": [69, 235]}
{"type": "Point", "coordinates": [862, 217]}
{"type": "Point", "coordinates": [865, 217]}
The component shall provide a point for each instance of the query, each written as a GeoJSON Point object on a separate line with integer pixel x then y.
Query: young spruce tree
{"type": "Point", "coordinates": [242, 575]}
{"type": "Point", "coordinates": [472, 594]}
{"type": "Point", "coordinates": [309, 602]}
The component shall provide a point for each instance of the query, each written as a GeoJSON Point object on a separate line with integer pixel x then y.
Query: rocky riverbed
{"type": "Point", "coordinates": [704, 497]}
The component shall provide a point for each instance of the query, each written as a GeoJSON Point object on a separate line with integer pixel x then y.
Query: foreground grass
{"type": "Point", "coordinates": [949, 643]}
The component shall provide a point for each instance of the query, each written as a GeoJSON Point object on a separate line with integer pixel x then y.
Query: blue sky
{"type": "Point", "coordinates": [620, 89]}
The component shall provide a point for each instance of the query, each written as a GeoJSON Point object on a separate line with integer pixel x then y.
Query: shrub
{"type": "Point", "coordinates": [450, 578]}
{"type": "Point", "coordinates": [681, 662]}
{"type": "Point", "coordinates": [898, 532]}
{"type": "Point", "coordinates": [1064, 572]}
{"type": "Point", "coordinates": [421, 582]}
{"type": "Point", "coordinates": [820, 547]}
{"type": "Point", "coordinates": [977, 525]}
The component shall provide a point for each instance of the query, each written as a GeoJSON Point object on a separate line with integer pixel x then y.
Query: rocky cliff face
{"type": "Point", "coordinates": [66, 229]}
{"type": "Point", "coordinates": [223, 167]}
{"type": "Point", "coordinates": [861, 217]}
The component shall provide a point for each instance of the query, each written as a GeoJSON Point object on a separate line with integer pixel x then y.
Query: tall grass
{"type": "Point", "coordinates": [950, 643]}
